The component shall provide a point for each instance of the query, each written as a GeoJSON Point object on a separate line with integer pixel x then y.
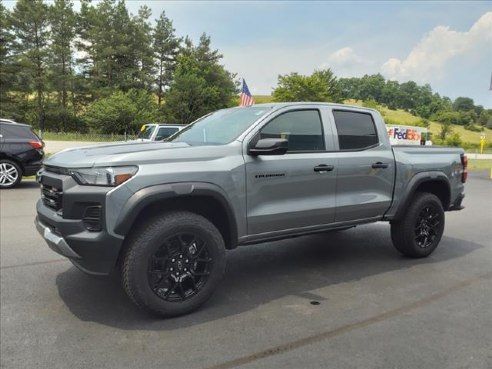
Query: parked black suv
{"type": "Point", "coordinates": [21, 152]}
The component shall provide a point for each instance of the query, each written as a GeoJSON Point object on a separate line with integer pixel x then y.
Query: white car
{"type": "Point", "coordinates": [158, 131]}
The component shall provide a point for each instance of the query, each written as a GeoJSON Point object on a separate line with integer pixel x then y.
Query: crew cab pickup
{"type": "Point", "coordinates": [163, 213]}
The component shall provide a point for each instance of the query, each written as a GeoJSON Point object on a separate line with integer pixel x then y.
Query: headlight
{"type": "Point", "coordinates": [103, 176]}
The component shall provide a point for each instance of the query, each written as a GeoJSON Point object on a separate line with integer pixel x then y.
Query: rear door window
{"type": "Point", "coordinates": [356, 131]}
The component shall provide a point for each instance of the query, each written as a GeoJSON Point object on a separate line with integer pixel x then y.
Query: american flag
{"type": "Point", "coordinates": [246, 98]}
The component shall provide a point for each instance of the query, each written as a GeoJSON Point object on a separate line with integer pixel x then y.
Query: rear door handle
{"type": "Point", "coordinates": [323, 168]}
{"type": "Point", "coordinates": [380, 165]}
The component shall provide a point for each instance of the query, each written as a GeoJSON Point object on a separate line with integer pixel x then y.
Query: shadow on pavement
{"type": "Point", "coordinates": [258, 274]}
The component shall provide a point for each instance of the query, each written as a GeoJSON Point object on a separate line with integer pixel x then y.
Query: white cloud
{"type": "Point", "coordinates": [344, 55]}
{"type": "Point", "coordinates": [345, 62]}
{"type": "Point", "coordinates": [429, 57]}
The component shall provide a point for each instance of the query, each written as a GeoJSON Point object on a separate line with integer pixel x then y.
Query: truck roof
{"type": "Point", "coordinates": [284, 104]}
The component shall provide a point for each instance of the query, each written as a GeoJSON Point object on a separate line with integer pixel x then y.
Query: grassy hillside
{"type": "Point", "coordinates": [406, 119]}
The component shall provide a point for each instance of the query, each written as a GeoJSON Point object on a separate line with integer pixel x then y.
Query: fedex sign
{"type": "Point", "coordinates": [406, 135]}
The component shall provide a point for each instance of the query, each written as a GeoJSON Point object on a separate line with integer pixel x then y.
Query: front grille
{"type": "Point", "coordinates": [92, 218]}
{"type": "Point", "coordinates": [52, 196]}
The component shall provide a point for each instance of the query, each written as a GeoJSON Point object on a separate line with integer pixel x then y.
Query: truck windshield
{"type": "Point", "coordinates": [221, 127]}
{"type": "Point", "coordinates": [146, 133]}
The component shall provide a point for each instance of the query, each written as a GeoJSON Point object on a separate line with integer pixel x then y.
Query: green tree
{"type": "Point", "coordinates": [140, 66]}
{"type": "Point", "coordinates": [166, 48]}
{"type": "Point", "coordinates": [200, 85]}
{"type": "Point", "coordinates": [463, 104]}
{"type": "Point", "coordinates": [30, 24]}
{"type": "Point", "coordinates": [7, 65]}
{"type": "Point", "coordinates": [446, 129]}
{"type": "Point", "coordinates": [419, 100]}
{"type": "Point", "coordinates": [454, 140]}
{"type": "Point", "coordinates": [484, 117]}
{"type": "Point", "coordinates": [116, 47]}
{"type": "Point", "coordinates": [62, 21]}
{"type": "Point", "coordinates": [322, 85]}
{"type": "Point", "coordinates": [186, 99]}
{"type": "Point", "coordinates": [122, 112]}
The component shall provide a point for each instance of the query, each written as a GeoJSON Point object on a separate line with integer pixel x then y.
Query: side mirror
{"type": "Point", "coordinates": [269, 146]}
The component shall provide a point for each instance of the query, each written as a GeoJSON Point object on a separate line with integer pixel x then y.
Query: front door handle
{"type": "Point", "coordinates": [323, 168]}
{"type": "Point", "coordinates": [380, 165]}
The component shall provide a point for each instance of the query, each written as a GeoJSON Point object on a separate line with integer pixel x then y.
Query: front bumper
{"type": "Point", "coordinates": [54, 241]}
{"type": "Point", "coordinates": [94, 253]}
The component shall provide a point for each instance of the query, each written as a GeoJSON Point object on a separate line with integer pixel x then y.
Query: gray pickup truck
{"type": "Point", "coordinates": [163, 213]}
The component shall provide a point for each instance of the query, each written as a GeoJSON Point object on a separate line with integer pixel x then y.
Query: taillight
{"type": "Point", "coordinates": [36, 144]}
{"type": "Point", "coordinates": [464, 163]}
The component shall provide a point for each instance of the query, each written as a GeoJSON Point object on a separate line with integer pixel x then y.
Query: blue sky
{"type": "Point", "coordinates": [447, 44]}
{"type": "Point", "coordinates": [429, 42]}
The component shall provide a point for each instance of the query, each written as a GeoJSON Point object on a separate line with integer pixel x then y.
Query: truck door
{"type": "Point", "coordinates": [297, 189]}
{"type": "Point", "coordinates": [366, 167]}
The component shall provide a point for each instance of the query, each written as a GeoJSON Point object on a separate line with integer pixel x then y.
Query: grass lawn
{"type": "Point", "coordinates": [475, 164]}
{"type": "Point", "coordinates": [90, 137]}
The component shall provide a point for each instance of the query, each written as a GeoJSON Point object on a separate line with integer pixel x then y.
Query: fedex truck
{"type": "Point", "coordinates": [408, 135]}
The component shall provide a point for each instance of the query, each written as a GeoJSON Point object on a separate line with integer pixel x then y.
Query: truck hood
{"type": "Point", "coordinates": [135, 153]}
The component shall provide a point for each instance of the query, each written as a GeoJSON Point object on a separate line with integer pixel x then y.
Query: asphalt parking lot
{"type": "Point", "coordinates": [340, 300]}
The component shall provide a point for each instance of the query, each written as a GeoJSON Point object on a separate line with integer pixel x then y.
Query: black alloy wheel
{"type": "Point", "coordinates": [173, 263]}
{"type": "Point", "coordinates": [427, 226]}
{"type": "Point", "coordinates": [180, 267]}
{"type": "Point", "coordinates": [420, 229]}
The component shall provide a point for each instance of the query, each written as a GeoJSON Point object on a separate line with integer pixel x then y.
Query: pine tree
{"type": "Point", "coordinates": [62, 19]}
{"type": "Point", "coordinates": [30, 24]}
{"type": "Point", "coordinates": [7, 67]}
{"type": "Point", "coordinates": [116, 47]}
{"type": "Point", "coordinates": [141, 69]}
{"type": "Point", "coordinates": [166, 48]}
{"type": "Point", "coordinates": [200, 85]}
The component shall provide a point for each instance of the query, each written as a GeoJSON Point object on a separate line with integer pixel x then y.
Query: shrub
{"type": "Point", "coordinates": [371, 104]}
{"type": "Point", "coordinates": [454, 140]}
{"type": "Point", "coordinates": [473, 128]}
{"type": "Point", "coordinates": [122, 112]}
{"type": "Point", "coordinates": [423, 123]}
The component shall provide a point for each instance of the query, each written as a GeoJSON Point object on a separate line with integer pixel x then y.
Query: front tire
{"type": "Point", "coordinates": [174, 264]}
{"type": "Point", "coordinates": [420, 231]}
{"type": "Point", "coordinates": [10, 174]}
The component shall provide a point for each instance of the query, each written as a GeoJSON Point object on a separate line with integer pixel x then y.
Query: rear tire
{"type": "Point", "coordinates": [10, 174]}
{"type": "Point", "coordinates": [174, 264]}
{"type": "Point", "coordinates": [419, 232]}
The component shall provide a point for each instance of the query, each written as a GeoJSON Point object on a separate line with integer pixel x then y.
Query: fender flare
{"type": "Point", "coordinates": [413, 184]}
{"type": "Point", "coordinates": [148, 195]}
